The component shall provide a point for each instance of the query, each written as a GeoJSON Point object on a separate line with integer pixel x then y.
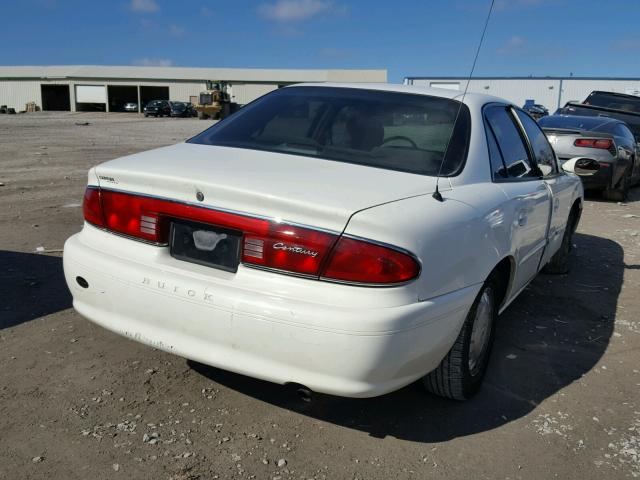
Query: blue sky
{"type": "Point", "coordinates": [409, 38]}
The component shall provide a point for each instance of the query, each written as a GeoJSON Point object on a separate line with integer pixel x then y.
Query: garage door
{"type": "Point", "coordinates": [91, 94]}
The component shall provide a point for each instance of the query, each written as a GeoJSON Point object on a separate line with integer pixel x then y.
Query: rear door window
{"type": "Point", "coordinates": [542, 150]}
{"type": "Point", "coordinates": [498, 168]}
{"type": "Point", "coordinates": [510, 143]}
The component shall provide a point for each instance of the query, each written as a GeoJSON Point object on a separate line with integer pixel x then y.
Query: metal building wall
{"type": "Point", "coordinates": [550, 92]}
{"type": "Point", "coordinates": [16, 93]}
{"type": "Point", "coordinates": [516, 91]}
{"type": "Point", "coordinates": [244, 93]}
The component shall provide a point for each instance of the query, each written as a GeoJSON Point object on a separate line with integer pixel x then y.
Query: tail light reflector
{"type": "Point", "coordinates": [92, 208]}
{"type": "Point", "coordinates": [602, 143]}
{"type": "Point", "coordinates": [266, 243]}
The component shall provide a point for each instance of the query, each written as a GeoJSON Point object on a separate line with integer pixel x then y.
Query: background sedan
{"type": "Point", "coordinates": [608, 141]}
{"type": "Point", "coordinates": [157, 108]}
{"type": "Point", "coordinates": [130, 107]}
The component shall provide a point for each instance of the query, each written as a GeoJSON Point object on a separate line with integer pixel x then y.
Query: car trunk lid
{"type": "Point", "coordinates": [298, 189]}
{"type": "Point", "coordinates": [563, 141]}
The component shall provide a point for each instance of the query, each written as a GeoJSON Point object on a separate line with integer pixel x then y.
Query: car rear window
{"type": "Point", "coordinates": [396, 131]}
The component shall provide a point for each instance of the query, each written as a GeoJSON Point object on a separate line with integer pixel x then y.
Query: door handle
{"type": "Point", "coordinates": [522, 219]}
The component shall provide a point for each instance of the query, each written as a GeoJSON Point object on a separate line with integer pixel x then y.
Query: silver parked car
{"type": "Point", "coordinates": [608, 141]}
{"type": "Point", "coordinates": [130, 107]}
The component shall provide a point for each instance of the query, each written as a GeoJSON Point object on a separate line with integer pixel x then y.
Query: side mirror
{"type": "Point", "coordinates": [581, 166]}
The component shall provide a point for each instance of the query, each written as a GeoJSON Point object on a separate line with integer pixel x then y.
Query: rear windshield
{"type": "Point", "coordinates": [568, 121]}
{"type": "Point", "coordinates": [396, 131]}
{"type": "Point", "coordinates": [610, 100]}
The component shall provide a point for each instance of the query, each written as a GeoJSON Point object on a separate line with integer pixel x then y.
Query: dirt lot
{"type": "Point", "coordinates": [561, 399]}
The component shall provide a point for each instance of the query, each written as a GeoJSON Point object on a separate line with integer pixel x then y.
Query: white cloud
{"type": "Point", "coordinates": [514, 45]}
{"type": "Point", "coordinates": [297, 10]}
{"type": "Point", "coordinates": [176, 30]}
{"type": "Point", "coordinates": [153, 62]}
{"type": "Point", "coordinates": [143, 6]}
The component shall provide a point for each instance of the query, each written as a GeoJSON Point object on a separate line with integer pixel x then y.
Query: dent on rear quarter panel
{"type": "Point", "coordinates": [458, 241]}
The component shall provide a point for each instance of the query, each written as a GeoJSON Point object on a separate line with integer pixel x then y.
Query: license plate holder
{"type": "Point", "coordinates": [204, 244]}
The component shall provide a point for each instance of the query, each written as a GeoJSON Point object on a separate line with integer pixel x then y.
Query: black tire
{"type": "Point", "coordinates": [619, 193]}
{"type": "Point", "coordinates": [454, 378]}
{"type": "Point", "coordinates": [559, 263]}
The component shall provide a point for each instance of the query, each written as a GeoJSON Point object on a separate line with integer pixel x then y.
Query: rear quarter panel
{"type": "Point", "coordinates": [458, 241]}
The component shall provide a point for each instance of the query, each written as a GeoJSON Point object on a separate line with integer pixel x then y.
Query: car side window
{"type": "Point", "coordinates": [498, 169]}
{"type": "Point", "coordinates": [510, 143]}
{"type": "Point", "coordinates": [542, 150]}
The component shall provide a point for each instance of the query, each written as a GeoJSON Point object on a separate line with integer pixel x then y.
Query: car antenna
{"type": "Point", "coordinates": [437, 195]}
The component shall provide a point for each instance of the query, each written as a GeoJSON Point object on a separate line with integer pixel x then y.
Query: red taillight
{"type": "Point", "coordinates": [92, 208]}
{"type": "Point", "coordinates": [602, 143]}
{"type": "Point", "coordinates": [267, 244]}
{"type": "Point", "coordinates": [364, 262]}
{"type": "Point", "coordinates": [284, 247]}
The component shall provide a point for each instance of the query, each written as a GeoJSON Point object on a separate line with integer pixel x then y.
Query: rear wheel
{"type": "Point", "coordinates": [559, 263]}
{"type": "Point", "coordinates": [460, 373]}
{"type": "Point", "coordinates": [619, 193]}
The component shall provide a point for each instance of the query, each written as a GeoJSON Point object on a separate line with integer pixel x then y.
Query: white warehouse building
{"type": "Point", "coordinates": [108, 88]}
{"type": "Point", "coordinates": [552, 92]}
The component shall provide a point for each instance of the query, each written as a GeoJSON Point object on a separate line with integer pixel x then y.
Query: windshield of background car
{"type": "Point", "coordinates": [568, 121]}
{"type": "Point", "coordinates": [396, 131]}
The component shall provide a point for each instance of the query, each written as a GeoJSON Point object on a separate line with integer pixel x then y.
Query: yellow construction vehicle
{"type": "Point", "coordinates": [215, 102]}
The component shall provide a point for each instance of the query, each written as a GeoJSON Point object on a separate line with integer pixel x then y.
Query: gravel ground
{"type": "Point", "coordinates": [560, 400]}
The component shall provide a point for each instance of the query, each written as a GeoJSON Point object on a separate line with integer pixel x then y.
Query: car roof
{"type": "Point", "coordinates": [476, 99]}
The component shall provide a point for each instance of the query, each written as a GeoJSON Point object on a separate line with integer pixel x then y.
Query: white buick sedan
{"type": "Point", "coordinates": [350, 239]}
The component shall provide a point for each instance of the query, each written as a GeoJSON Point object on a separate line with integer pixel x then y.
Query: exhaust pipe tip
{"type": "Point", "coordinates": [304, 394]}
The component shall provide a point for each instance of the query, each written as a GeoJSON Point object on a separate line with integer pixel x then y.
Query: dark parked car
{"type": "Point", "coordinates": [183, 109]}
{"type": "Point", "coordinates": [157, 108]}
{"type": "Point", "coordinates": [536, 110]}
{"type": "Point", "coordinates": [608, 104]}
{"type": "Point", "coordinates": [613, 100]}
{"type": "Point", "coordinates": [608, 141]}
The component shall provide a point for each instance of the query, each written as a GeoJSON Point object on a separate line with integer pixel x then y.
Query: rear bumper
{"type": "Point", "coordinates": [599, 180]}
{"type": "Point", "coordinates": [328, 347]}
